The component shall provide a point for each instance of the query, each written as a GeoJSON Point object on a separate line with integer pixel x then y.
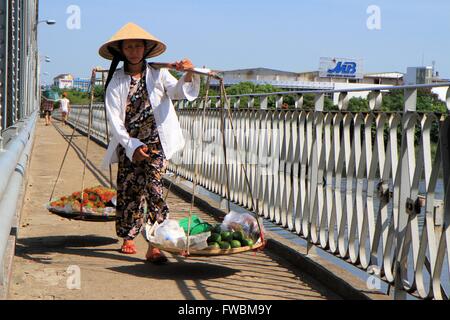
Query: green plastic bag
{"type": "Point", "coordinates": [197, 225]}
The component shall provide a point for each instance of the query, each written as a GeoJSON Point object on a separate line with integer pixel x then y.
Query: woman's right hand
{"type": "Point", "coordinates": [140, 154]}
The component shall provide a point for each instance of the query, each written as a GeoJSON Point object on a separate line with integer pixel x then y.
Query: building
{"type": "Point", "coordinates": [385, 78]}
{"type": "Point", "coordinates": [81, 84]}
{"type": "Point", "coordinates": [310, 80]}
{"type": "Point", "coordinates": [67, 81]}
{"type": "Point", "coordinates": [284, 80]}
{"type": "Point", "coordinates": [63, 81]}
{"type": "Point", "coordinates": [419, 75]}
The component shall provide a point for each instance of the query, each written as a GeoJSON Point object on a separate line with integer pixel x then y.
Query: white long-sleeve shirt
{"type": "Point", "coordinates": [162, 87]}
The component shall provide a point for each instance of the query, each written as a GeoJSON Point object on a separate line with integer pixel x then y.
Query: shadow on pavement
{"type": "Point", "coordinates": [72, 241]}
{"type": "Point", "coordinates": [177, 270]}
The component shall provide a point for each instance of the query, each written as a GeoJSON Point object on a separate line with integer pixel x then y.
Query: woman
{"type": "Point", "coordinates": [65, 108]}
{"type": "Point", "coordinates": [145, 129]}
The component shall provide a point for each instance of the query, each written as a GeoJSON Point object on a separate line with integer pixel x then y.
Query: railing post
{"type": "Point", "coordinates": [404, 187]}
{"type": "Point", "coordinates": [410, 100]}
{"type": "Point", "coordinates": [375, 100]}
{"type": "Point", "coordinates": [443, 245]}
{"type": "Point", "coordinates": [251, 102]}
{"type": "Point", "coordinates": [319, 101]}
{"type": "Point", "coordinates": [237, 103]}
{"type": "Point", "coordinates": [343, 101]}
{"type": "Point", "coordinates": [299, 101]}
{"type": "Point", "coordinates": [263, 102]}
{"type": "Point", "coordinates": [279, 101]}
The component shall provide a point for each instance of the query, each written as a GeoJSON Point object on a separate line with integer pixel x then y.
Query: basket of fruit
{"type": "Point", "coordinates": [237, 233]}
{"type": "Point", "coordinates": [98, 204]}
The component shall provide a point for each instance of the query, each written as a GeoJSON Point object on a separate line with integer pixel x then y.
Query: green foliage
{"type": "Point", "coordinates": [77, 97]}
{"type": "Point", "coordinates": [99, 93]}
{"type": "Point", "coordinates": [392, 101]}
{"type": "Point", "coordinates": [249, 88]}
{"type": "Point", "coordinates": [429, 102]}
{"type": "Point", "coordinates": [358, 104]}
{"type": "Point", "coordinates": [211, 92]}
{"type": "Point", "coordinates": [308, 103]}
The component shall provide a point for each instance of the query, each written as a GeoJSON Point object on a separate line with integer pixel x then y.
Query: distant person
{"type": "Point", "coordinates": [285, 106]}
{"type": "Point", "coordinates": [47, 106]}
{"type": "Point", "coordinates": [65, 107]}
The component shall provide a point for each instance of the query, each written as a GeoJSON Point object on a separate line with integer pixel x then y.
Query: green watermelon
{"type": "Point", "coordinates": [214, 245]}
{"type": "Point", "coordinates": [226, 236]}
{"type": "Point", "coordinates": [235, 244]}
{"type": "Point", "coordinates": [215, 237]}
{"type": "Point", "coordinates": [224, 245]}
{"type": "Point", "coordinates": [238, 235]}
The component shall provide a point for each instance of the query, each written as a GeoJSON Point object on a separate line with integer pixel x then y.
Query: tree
{"type": "Point", "coordinates": [99, 93]}
{"type": "Point", "coordinates": [249, 88]}
{"type": "Point", "coordinates": [358, 104]}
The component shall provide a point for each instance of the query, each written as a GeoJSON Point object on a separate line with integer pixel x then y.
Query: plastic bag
{"type": "Point", "coordinates": [245, 222]}
{"type": "Point", "coordinates": [171, 235]}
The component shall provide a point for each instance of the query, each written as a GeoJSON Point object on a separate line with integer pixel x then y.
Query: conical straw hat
{"type": "Point", "coordinates": [132, 31]}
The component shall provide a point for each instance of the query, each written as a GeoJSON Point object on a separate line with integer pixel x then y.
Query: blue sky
{"type": "Point", "coordinates": [289, 35]}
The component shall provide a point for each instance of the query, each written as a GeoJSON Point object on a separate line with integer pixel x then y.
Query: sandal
{"type": "Point", "coordinates": [128, 248]}
{"type": "Point", "coordinates": [156, 257]}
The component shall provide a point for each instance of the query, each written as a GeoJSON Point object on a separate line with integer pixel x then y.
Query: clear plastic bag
{"type": "Point", "coordinates": [235, 221]}
{"type": "Point", "coordinates": [170, 234]}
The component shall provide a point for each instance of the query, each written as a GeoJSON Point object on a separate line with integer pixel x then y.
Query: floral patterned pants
{"type": "Point", "coordinates": [139, 193]}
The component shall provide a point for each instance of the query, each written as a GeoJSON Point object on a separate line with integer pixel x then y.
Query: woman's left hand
{"type": "Point", "coordinates": [185, 65]}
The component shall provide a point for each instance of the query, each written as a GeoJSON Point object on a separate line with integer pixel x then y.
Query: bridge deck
{"type": "Point", "coordinates": [47, 245]}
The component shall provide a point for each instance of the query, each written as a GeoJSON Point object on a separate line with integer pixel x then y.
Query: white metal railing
{"type": "Point", "coordinates": [19, 100]}
{"type": "Point", "coordinates": [369, 187]}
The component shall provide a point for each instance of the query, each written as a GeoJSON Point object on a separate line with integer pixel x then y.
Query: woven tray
{"type": "Point", "coordinates": [209, 251]}
{"type": "Point", "coordinates": [84, 216]}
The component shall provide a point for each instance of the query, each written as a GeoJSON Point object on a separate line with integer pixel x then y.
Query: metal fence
{"type": "Point", "coordinates": [19, 100]}
{"type": "Point", "coordinates": [19, 81]}
{"type": "Point", "coordinates": [370, 187]}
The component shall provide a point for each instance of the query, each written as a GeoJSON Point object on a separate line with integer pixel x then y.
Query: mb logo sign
{"type": "Point", "coordinates": [343, 68]}
{"type": "Point", "coordinates": [340, 68]}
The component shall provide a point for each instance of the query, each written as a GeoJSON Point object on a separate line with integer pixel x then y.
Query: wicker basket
{"type": "Point", "coordinates": [85, 216]}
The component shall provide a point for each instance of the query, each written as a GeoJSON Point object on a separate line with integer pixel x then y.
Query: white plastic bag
{"type": "Point", "coordinates": [235, 221]}
{"type": "Point", "coordinates": [171, 235]}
